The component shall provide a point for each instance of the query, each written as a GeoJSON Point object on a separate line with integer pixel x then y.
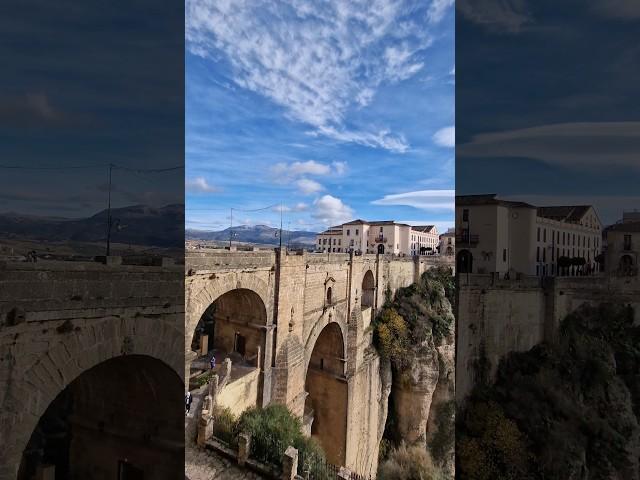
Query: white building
{"type": "Point", "coordinates": [623, 246]}
{"type": "Point", "coordinates": [361, 236]}
{"type": "Point", "coordinates": [495, 235]}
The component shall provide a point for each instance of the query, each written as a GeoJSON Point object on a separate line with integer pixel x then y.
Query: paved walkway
{"type": "Point", "coordinates": [201, 464]}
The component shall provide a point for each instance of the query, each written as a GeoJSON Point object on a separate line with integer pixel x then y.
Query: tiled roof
{"type": "Point", "coordinates": [423, 228]}
{"type": "Point", "coordinates": [564, 213]}
{"type": "Point", "coordinates": [488, 199]}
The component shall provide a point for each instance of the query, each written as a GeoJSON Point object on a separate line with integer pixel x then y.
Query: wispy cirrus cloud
{"type": "Point", "coordinates": [500, 16]}
{"type": "Point", "coordinates": [318, 60]}
{"type": "Point", "coordinates": [583, 144]}
{"type": "Point", "coordinates": [437, 10]}
{"type": "Point", "coordinates": [430, 200]}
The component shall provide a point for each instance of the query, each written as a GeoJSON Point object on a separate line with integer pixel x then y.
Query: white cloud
{"type": "Point", "coordinates": [437, 9]}
{"type": "Point", "coordinates": [296, 169]}
{"type": "Point", "coordinates": [308, 186]}
{"type": "Point", "coordinates": [339, 167]}
{"type": "Point", "coordinates": [431, 200]}
{"type": "Point", "coordinates": [445, 137]}
{"type": "Point", "coordinates": [502, 16]}
{"type": "Point", "coordinates": [297, 173]}
{"type": "Point", "coordinates": [331, 210]}
{"type": "Point", "coordinates": [626, 10]}
{"type": "Point", "coordinates": [382, 139]}
{"type": "Point", "coordinates": [199, 185]}
{"type": "Point", "coordinates": [399, 62]}
{"type": "Point", "coordinates": [315, 59]}
{"type": "Point", "coordinates": [586, 144]}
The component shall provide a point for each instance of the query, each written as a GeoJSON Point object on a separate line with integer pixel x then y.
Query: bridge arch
{"type": "Point", "coordinates": [327, 390]}
{"type": "Point", "coordinates": [73, 359]}
{"type": "Point", "coordinates": [368, 294]}
{"type": "Point", "coordinates": [233, 325]}
{"type": "Point", "coordinates": [214, 288]}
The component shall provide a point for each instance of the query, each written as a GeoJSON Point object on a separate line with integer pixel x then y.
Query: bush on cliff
{"type": "Point", "coordinates": [417, 313]}
{"type": "Point", "coordinates": [409, 463]}
{"type": "Point", "coordinates": [563, 410]}
{"type": "Point", "coordinates": [273, 429]}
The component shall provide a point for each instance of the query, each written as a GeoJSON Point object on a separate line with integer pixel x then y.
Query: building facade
{"type": "Point", "coordinates": [447, 243]}
{"type": "Point", "coordinates": [495, 235]}
{"type": "Point", "coordinates": [623, 246]}
{"type": "Point", "coordinates": [386, 236]}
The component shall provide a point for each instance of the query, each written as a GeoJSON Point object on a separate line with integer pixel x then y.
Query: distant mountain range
{"type": "Point", "coordinates": [137, 225]}
{"type": "Point", "coordinates": [259, 234]}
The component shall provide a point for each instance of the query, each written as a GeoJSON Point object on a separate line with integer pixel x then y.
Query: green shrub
{"type": "Point", "coordinates": [273, 429]}
{"type": "Point", "coordinates": [409, 463]}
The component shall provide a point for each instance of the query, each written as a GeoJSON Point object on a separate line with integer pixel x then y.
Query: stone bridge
{"type": "Point", "coordinates": [91, 360]}
{"type": "Point", "coordinates": [300, 323]}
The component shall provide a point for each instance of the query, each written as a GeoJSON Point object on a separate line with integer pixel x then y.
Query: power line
{"type": "Point", "coordinates": [95, 165]}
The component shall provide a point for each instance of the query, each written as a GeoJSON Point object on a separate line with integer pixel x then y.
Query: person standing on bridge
{"type": "Point", "coordinates": [187, 402]}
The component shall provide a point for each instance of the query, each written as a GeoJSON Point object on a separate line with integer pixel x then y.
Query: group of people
{"type": "Point", "coordinates": [188, 398]}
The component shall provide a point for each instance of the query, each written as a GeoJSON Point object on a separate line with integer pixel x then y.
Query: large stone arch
{"type": "Point", "coordinates": [214, 287]}
{"type": "Point", "coordinates": [327, 391]}
{"type": "Point", "coordinates": [320, 324]}
{"type": "Point", "coordinates": [367, 289]}
{"type": "Point", "coordinates": [78, 351]}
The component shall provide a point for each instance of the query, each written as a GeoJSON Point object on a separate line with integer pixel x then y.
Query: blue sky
{"type": "Point", "coordinates": [336, 110]}
{"type": "Point", "coordinates": [548, 103]}
{"type": "Point", "coordinates": [85, 84]}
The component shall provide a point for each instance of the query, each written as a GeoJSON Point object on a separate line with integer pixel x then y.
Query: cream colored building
{"type": "Point", "coordinates": [495, 235]}
{"type": "Point", "coordinates": [623, 246]}
{"type": "Point", "coordinates": [386, 237]}
{"type": "Point", "coordinates": [447, 242]}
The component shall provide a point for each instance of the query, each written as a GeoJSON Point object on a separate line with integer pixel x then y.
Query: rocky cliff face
{"type": "Point", "coordinates": [423, 374]}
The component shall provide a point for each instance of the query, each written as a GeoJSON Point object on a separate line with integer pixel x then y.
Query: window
{"type": "Point", "coordinates": [348, 232]}
{"type": "Point", "coordinates": [339, 241]}
{"type": "Point", "coordinates": [465, 215]}
{"type": "Point", "coordinates": [504, 255]}
{"type": "Point", "coordinates": [544, 254]}
{"type": "Point", "coordinates": [537, 254]}
{"type": "Point", "coordinates": [329, 299]}
{"type": "Point", "coordinates": [627, 242]}
{"type": "Point", "coordinates": [356, 231]}
{"type": "Point", "coordinates": [381, 229]}
{"type": "Point", "coordinates": [538, 233]}
{"type": "Point", "coordinates": [544, 235]}
{"type": "Point", "coordinates": [319, 241]}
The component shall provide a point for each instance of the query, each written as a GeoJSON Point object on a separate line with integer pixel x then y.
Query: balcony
{"type": "Point", "coordinates": [466, 239]}
{"type": "Point", "coordinates": [380, 239]}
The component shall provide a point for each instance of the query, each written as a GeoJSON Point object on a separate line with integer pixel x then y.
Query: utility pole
{"type": "Point", "coordinates": [280, 227]}
{"type": "Point", "coordinates": [109, 213]}
{"type": "Point", "coordinates": [231, 229]}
